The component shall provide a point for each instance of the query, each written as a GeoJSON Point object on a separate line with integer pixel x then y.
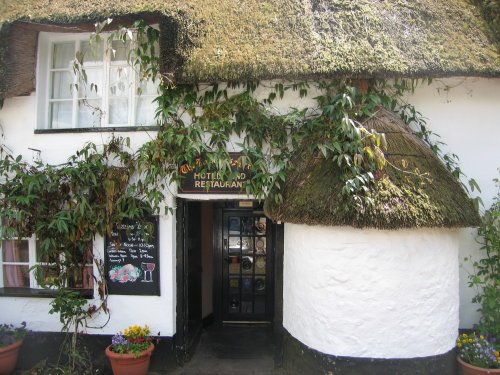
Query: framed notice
{"type": "Point", "coordinates": [131, 257]}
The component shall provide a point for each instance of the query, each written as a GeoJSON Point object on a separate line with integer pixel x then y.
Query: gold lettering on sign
{"type": "Point", "coordinates": [213, 181]}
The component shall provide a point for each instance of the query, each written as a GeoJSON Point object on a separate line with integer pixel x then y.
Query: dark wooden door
{"type": "Point", "coordinates": [247, 277]}
{"type": "Point", "coordinates": [189, 319]}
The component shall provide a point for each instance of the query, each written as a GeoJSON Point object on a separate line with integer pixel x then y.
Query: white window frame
{"type": "Point", "coordinates": [46, 41]}
{"type": "Point", "coordinates": [32, 261]}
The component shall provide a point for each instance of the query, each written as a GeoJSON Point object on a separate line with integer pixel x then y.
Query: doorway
{"type": "Point", "coordinates": [229, 269]}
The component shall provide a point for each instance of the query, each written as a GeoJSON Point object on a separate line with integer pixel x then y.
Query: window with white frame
{"type": "Point", "coordinates": [18, 256]}
{"type": "Point", "coordinates": [113, 95]}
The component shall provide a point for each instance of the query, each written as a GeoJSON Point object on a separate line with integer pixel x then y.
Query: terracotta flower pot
{"type": "Point", "coordinates": [129, 364]}
{"type": "Point", "coordinates": [8, 357]}
{"type": "Point", "coordinates": [468, 369]}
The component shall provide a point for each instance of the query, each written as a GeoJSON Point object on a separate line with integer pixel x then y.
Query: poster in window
{"type": "Point", "coordinates": [132, 257]}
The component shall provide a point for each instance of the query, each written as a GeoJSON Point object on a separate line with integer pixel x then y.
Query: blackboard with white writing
{"type": "Point", "coordinates": [131, 257]}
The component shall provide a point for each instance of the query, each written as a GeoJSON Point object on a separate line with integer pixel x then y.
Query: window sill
{"type": "Point", "coordinates": [109, 129]}
{"type": "Point", "coordinates": [40, 293]}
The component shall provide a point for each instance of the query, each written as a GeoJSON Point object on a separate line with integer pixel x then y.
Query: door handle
{"type": "Point", "coordinates": [225, 244]}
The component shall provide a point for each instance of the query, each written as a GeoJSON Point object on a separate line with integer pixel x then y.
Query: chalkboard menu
{"type": "Point", "coordinates": [132, 258]}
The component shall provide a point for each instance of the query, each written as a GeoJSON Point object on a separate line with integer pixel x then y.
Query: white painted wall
{"type": "Point", "coordinates": [17, 119]}
{"type": "Point", "coordinates": [465, 112]}
{"type": "Point", "coordinates": [467, 116]}
{"type": "Point", "coordinates": [371, 293]}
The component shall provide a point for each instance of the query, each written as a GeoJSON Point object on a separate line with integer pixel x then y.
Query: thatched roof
{"type": "Point", "coordinates": [415, 189]}
{"type": "Point", "coordinates": [213, 40]}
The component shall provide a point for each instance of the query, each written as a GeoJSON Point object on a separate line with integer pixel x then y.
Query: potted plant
{"type": "Point", "coordinates": [130, 351]}
{"type": "Point", "coordinates": [477, 355]}
{"type": "Point", "coordinates": [11, 339]}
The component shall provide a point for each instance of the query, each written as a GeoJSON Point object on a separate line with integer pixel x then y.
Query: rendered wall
{"type": "Point", "coordinates": [466, 115]}
{"type": "Point", "coordinates": [371, 293]}
{"type": "Point", "coordinates": [465, 112]}
{"type": "Point", "coordinates": [17, 119]}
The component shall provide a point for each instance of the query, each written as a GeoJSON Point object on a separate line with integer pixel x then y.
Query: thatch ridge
{"type": "Point", "coordinates": [267, 39]}
{"type": "Point", "coordinates": [415, 190]}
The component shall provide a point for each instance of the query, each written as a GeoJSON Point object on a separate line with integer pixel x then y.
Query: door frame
{"type": "Point", "coordinates": [181, 337]}
{"type": "Point", "coordinates": [184, 340]}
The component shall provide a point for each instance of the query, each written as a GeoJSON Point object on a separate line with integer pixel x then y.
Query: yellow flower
{"type": "Point", "coordinates": [481, 337]}
{"type": "Point", "coordinates": [459, 345]}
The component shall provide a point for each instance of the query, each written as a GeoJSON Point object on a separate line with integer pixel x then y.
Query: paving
{"type": "Point", "coordinates": [233, 350]}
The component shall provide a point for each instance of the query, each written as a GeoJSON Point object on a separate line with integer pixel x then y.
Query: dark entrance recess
{"type": "Point", "coordinates": [240, 282]}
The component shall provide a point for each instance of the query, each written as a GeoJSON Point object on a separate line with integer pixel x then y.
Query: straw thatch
{"type": "Point", "coordinates": [415, 189]}
{"type": "Point", "coordinates": [214, 40]}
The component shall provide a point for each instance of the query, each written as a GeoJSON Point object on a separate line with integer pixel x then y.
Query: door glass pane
{"type": "Point", "coordinates": [246, 305]}
{"type": "Point", "coordinates": [247, 225]}
{"type": "Point", "coordinates": [246, 245]}
{"type": "Point", "coordinates": [260, 245]}
{"type": "Point", "coordinates": [260, 305]}
{"type": "Point", "coordinates": [234, 225]}
{"type": "Point", "coordinates": [260, 265]}
{"type": "Point", "coordinates": [260, 284]}
{"type": "Point", "coordinates": [247, 264]}
{"type": "Point", "coordinates": [260, 225]}
{"type": "Point", "coordinates": [247, 268]}
{"type": "Point", "coordinates": [63, 55]}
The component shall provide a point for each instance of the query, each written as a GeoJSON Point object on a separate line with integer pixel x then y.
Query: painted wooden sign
{"type": "Point", "coordinates": [212, 182]}
{"type": "Point", "coordinates": [132, 258]}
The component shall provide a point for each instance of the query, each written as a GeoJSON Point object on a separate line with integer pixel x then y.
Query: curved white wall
{"type": "Point", "coordinates": [371, 293]}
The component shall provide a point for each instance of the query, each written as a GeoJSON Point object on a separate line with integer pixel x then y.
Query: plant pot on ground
{"type": "Point", "coordinates": [130, 351]}
{"type": "Point", "coordinates": [11, 339]}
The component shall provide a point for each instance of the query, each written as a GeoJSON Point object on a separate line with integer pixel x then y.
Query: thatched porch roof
{"type": "Point", "coordinates": [214, 40]}
{"type": "Point", "coordinates": [415, 190]}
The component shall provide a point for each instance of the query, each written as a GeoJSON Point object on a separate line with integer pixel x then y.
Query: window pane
{"type": "Point", "coordinates": [119, 50]}
{"type": "Point", "coordinates": [16, 276]}
{"type": "Point", "coordinates": [89, 113]}
{"type": "Point", "coordinates": [145, 111]}
{"type": "Point", "coordinates": [82, 279]}
{"type": "Point", "coordinates": [120, 81]}
{"type": "Point", "coordinates": [92, 53]}
{"type": "Point", "coordinates": [63, 55]}
{"type": "Point", "coordinates": [148, 87]}
{"type": "Point", "coordinates": [118, 111]}
{"type": "Point", "coordinates": [61, 85]}
{"type": "Point", "coordinates": [47, 274]}
{"type": "Point", "coordinates": [15, 251]}
{"type": "Point", "coordinates": [94, 76]}
{"type": "Point", "coordinates": [60, 115]}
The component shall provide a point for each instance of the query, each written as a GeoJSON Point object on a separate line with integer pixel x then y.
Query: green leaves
{"type": "Point", "coordinates": [486, 277]}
